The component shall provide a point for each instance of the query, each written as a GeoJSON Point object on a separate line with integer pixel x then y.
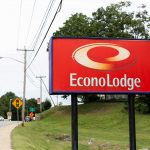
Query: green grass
{"type": "Point", "coordinates": [105, 124]}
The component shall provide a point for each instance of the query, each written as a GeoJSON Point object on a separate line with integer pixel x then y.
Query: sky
{"type": "Point", "coordinates": [20, 22]}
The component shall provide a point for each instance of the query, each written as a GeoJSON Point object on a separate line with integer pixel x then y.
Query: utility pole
{"type": "Point", "coordinates": [24, 82]}
{"type": "Point", "coordinates": [41, 91]}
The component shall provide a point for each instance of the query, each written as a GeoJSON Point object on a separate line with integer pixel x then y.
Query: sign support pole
{"type": "Point", "coordinates": [132, 130]}
{"type": "Point", "coordinates": [74, 114]}
{"type": "Point", "coordinates": [17, 115]}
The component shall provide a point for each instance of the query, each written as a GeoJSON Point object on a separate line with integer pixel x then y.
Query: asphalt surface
{"type": "Point", "coordinates": [6, 128]}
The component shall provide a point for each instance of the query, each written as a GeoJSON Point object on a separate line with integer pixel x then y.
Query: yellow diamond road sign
{"type": "Point", "coordinates": [17, 103]}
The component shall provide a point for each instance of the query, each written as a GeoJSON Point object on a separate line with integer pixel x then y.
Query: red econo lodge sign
{"type": "Point", "coordinates": [92, 65]}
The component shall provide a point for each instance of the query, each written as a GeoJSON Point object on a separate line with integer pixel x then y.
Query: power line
{"type": "Point", "coordinates": [41, 90]}
{"type": "Point", "coordinates": [32, 72]}
{"type": "Point", "coordinates": [42, 24]}
{"type": "Point", "coordinates": [44, 20]}
{"type": "Point", "coordinates": [19, 22]}
{"type": "Point", "coordinates": [48, 92]}
{"type": "Point", "coordinates": [58, 10]}
{"type": "Point", "coordinates": [30, 22]}
{"type": "Point", "coordinates": [31, 81]}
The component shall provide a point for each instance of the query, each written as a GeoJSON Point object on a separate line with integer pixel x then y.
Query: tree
{"type": "Point", "coordinates": [142, 103]}
{"type": "Point", "coordinates": [114, 22]}
{"type": "Point", "coordinates": [32, 103]}
{"type": "Point", "coordinates": [5, 102]}
{"type": "Point", "coordinates": [77, 25]}
{"type": "Point", "coordinates": [110, 22]}
{"type": "Point", "coordinates": [46, 105]}
{"type": "Point", "coordinates": [89, 98]}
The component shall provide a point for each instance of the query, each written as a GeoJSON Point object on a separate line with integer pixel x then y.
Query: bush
{"type": "Point", "coordinates": [90, 98]}
{"type": "Point", "coordinates": [142, 103]}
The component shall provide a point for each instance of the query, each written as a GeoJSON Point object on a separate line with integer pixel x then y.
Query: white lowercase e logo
{"type": "Point", "coordinates": [81, 56]}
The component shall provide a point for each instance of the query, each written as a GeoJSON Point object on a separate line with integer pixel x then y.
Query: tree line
{"type": "Point", "coordinates": [6, 105]}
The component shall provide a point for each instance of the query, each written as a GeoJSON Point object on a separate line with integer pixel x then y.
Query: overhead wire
{"type": "Point", "coordinates": [44, 20]}
{"type": "Point", "coordinates": [41, 26]}
{"type": "Point", "coordinates": [31, 81]}
{"type": "Point", "coordinates": [32, 72]}
{"type": "Point", "coordinates": [48, 92]}
{"type": "Point", "coordinates": [38, 35]}
{"type": "Point", "coordinates": [57, 11]}
{"type": "Point", "coordinates": [28, 31]}
{"type": "Point", "coordinates": [19, 23]}
{"type": "Point", "coordinates": [30, 78]}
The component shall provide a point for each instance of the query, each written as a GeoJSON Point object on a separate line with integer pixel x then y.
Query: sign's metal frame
{"type": "Point", "coordinates": [51, 90]}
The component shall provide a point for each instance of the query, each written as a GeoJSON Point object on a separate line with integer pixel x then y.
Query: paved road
{"type": "Point", "coordinates": [6, 123]}
{"type": "Point", "coordinates": [5, 134]}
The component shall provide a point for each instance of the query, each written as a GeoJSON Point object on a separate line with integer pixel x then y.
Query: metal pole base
{"type": "Point", "coordinates": [132, 130]}
{"type": "Point", "coordinates": [74, 114]}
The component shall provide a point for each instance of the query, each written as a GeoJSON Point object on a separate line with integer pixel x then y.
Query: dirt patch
{"type": "Point", "coordinates": [98, 145]}
{"type": "Point", "coordinates": [63, 137]}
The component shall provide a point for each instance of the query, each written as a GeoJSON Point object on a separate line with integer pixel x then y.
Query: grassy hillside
{"type": "Point", "coordinates": [102, 126]}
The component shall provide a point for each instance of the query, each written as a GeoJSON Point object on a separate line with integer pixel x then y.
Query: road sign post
{"type": "Point", "coordinates": [9, 115]}
{"type": "Point", "coordinates": [17, 114]}
{"type": "Point", "coordinates": [74, 114]}
{"type": "Point", "coordinates": [132, 128]}
{"type": "Point", "coordinates": [17, 103]}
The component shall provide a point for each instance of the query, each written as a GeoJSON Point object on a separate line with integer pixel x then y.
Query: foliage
{"type": "Point", "coordinates": [6, 105]}
{"type": "Point", "coordinates": [114, 21]}
{"type": "Point", "coordinates": [5, 101]}
{"type": "Point", "coordinates": [143, 103]}
{"type": "Point", "coordinates": [46, 105]}
{"type": "Point", "coordinates": [64, 96]}
{"type": "Point", "coordinates": [77, 25]}
{"type": "Point", "coordinates": [31, 103]}
{"type": "Point", "coordinates": [89, 98]}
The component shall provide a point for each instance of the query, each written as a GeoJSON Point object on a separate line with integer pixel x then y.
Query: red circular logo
{"type": "Point", "coordinates": [114, 58]}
